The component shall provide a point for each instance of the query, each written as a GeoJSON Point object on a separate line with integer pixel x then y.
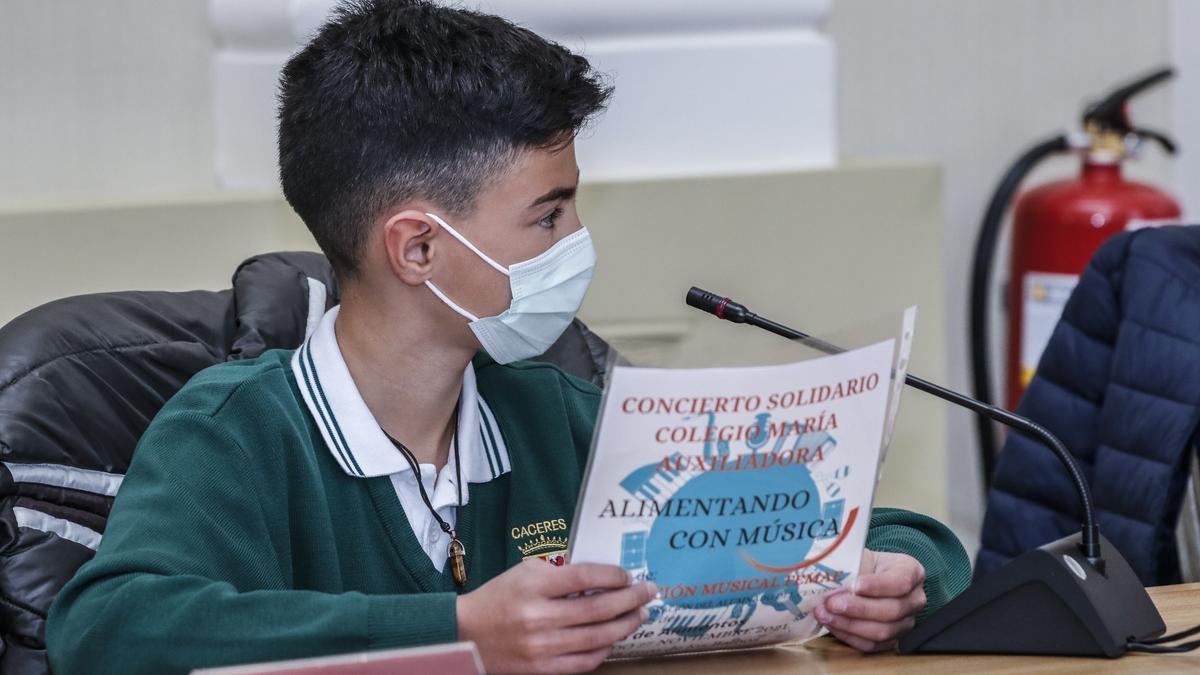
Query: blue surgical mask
{"type": "Point", "coordinates": [546, 293]}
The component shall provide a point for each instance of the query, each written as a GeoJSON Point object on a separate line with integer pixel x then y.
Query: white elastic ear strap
{"type": "Point", "coordinates": [454, 233]}
{"type": "Point", "coordinates": [450, 303]}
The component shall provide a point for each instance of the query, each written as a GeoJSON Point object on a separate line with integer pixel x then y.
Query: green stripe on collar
{"type": "Point", "coordinates": [487, 452]}
{"type": "Point", "coordinates": [323, 403]}
{"type": "Point", "coordinates": [488, 427]}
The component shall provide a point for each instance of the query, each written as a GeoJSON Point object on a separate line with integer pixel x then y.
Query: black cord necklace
{"type": "Point", "coordinates": [457, 552]}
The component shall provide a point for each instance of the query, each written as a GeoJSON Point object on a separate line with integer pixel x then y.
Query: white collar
{"type": "Point", "coordinates": [354, 436]}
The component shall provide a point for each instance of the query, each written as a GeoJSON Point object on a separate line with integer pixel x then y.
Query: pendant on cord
{"type": "Point", "coordinates": [457, 552]}
{"type": "Point", "coordinates": [458, 560]}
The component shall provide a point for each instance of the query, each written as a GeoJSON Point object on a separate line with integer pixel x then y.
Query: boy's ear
{"type": "Point", "coordinates": [407, 236]}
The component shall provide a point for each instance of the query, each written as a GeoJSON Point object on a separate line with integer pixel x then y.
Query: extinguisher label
{"type": "Point", "coordinates": [1045, 295]}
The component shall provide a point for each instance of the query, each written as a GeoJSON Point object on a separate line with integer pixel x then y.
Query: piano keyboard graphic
{"type": "Point", "coordinates": [654, 482]}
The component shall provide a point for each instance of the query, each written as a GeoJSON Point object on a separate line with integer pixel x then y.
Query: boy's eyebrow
{"type": "Point", "coordinates": [554, 195]}
{"type": "Point", "coordinates": [564, 192]}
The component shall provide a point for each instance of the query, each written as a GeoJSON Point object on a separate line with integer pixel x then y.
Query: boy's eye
{"type": "Point", "coordinates": [551, 218]}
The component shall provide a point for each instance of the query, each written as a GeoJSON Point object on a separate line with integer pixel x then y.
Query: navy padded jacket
{"type": "Point", "coordinates": [1119, 383]}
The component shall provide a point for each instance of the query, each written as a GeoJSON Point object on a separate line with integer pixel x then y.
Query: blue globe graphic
{"type": "Point", "coordinates": [714, 563]}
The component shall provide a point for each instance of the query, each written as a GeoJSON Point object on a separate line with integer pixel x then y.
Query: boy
{"type": "Point", "coordinates": [370, 489]}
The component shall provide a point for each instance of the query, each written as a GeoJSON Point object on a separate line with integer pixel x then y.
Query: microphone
{"type": "Point", "coordinates": [1028, 606]}
{"type": "Point", "coordinates": [728, 310]}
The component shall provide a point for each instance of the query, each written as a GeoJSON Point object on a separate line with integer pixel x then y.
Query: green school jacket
{"type": "Point", "coordinates": [237, 538]}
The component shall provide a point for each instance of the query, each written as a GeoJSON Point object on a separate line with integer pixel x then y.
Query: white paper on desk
{"type": "Point", "coordinates": [746, 515]}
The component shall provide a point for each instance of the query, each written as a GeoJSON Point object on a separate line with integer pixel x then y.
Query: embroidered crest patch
{"type": "Point", "coordinates": [539, 540]}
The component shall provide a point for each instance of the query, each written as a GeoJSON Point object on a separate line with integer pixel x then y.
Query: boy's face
{"type": "Point", "coordinates": [517, 217]}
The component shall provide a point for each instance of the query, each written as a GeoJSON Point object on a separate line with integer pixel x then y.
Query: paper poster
{"type": "Point", "coordinates": [744, 493]}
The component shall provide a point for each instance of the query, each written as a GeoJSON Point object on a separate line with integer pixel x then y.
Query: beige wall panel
{"type": "Point", "coordinates": [821, 249]}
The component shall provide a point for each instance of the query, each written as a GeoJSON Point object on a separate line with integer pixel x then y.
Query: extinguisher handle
{"type": "Point", "coordinates": [1158, 137]}
{"type": "Point", "coordinates": [1111, 114]}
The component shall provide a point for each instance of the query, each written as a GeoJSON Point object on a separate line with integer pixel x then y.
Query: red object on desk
{"type": "Point", "coordinates": [460, 658]}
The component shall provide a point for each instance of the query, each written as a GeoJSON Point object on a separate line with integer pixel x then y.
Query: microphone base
{"type": "Point", "coordinates": [1048, 601]}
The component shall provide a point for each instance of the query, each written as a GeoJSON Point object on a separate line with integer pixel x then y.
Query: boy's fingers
{"type": "Point", "coordinates": [892, 582]}
{"type": "Point", "coordinates": [873, 631]}
{"type": "Point", "coordinates": [863, 645]}
{"type": "Point", "coordinates": [599, 635]}
{"type": "Point", "coordinates": [876, 609]}
{"type": "Point", "coordinates": [601, 607]}
{"type": "Point", "coordinates": [883, 585]}
{"type": "Point", "coordinates": [584, 577]}
{"type": "Point", "coordinates": [868, 562]}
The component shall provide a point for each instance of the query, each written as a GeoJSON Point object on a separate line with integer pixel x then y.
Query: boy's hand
{"type": "Point", "coordinates": [523, 622]}
{"type": "Point", "coordinates": [882, 605]}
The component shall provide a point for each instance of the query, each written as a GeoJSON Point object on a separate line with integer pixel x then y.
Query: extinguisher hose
{"type": "Point", "coordinates": [981, 275]}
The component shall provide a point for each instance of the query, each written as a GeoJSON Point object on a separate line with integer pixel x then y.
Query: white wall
{"type": "Point", "coordinates": [104, 100]}
{"type": "Point", "coordinates": [972, 84]}
{"type": "Point", "coordinates": [1185, 109]}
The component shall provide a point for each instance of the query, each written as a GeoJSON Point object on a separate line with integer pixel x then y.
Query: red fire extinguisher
{"type": "Point", "coordinates": [1056, 229]}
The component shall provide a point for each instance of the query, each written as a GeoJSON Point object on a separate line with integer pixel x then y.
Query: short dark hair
{"type": "Point", "coordinates": [402, 99]}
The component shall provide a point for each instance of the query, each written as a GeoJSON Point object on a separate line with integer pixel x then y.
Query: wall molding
{"type": "Point", "coordinates": [702, 87]}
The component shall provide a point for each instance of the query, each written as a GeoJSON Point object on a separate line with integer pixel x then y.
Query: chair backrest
{"type": "Point", "coordinates": [81, 379]}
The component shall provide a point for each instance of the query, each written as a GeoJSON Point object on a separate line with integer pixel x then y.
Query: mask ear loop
{"type": "Point", "coordinates": [495, 265]}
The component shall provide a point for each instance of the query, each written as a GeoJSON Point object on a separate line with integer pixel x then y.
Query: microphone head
{"type": "Point", "coordinates": [717, 305]}
{"type": "Point", "coordinates": [702, 300]}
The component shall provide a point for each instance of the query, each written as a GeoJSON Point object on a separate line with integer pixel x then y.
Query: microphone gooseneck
{"type": "Point", "coordinates": [728, 310]}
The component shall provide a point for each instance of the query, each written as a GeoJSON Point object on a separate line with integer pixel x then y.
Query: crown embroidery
{"type": "Point", "coordinates": [542, 545]}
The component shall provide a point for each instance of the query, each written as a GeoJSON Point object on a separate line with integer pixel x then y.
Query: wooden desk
{"type": "Point", "coordinates": [1180, 607]}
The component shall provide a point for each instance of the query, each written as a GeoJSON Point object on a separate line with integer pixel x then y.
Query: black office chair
{"type": "Point", "coordinates": [81, 379]}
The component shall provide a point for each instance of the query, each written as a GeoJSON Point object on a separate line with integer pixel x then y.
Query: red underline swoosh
{"type": "Point", "coordinates": [811, 561]}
